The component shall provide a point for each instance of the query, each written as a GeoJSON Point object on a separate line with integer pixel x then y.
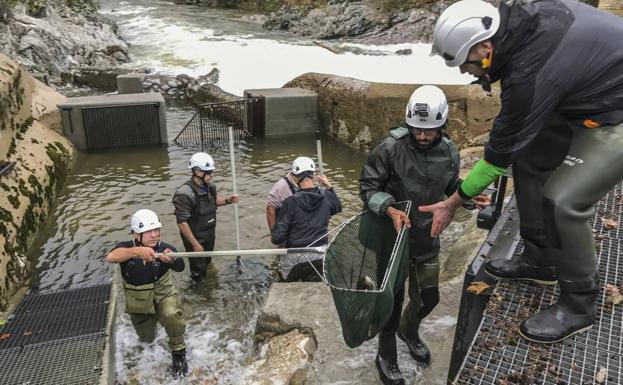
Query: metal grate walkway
{"type": "Point", "coordinates": [500, 356]}
{"type": "Point", "coordinates": [56, 338]}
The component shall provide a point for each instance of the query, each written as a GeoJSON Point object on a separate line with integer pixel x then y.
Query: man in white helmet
{"type": "Point", "coordinates": [195, 204]}
{"type": "Point", "coordinates": [416, 163]}
{"type": "Point", "coordinates": [303, 220]}
{"type": "Point", "coordinates": [560, 64]}
{"type": "Point", "coordinates": [148, 285]}
{"type": "Point", "coordinates": [284, 188]}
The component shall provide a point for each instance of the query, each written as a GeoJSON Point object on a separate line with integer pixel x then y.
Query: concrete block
{"type": "Point", "coordinates": [120, 120]}
{"type": "Point", "coordinates": [288, 110]}
{"type": "Point", "coordinates": [130, 83]}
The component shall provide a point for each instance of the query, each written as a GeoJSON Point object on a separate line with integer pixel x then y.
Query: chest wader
{"type": "Point", "coordinates": [437, 170]}
{"type": "Point", "coordinates": [202, 223]}
{"type": "Point", "coordinates": [152, 303]}
{"type": "Point", "coordinates": [590, 168]}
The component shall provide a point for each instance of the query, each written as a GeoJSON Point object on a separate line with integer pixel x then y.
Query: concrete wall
{"type": "Point", "coordinates": [360, 113]}
{"type": "Point", "coordinates": [28, 119]}
{"type": "Point", "coordinates": [614, 6]}
{"type": "Point", "coordinates": [288, 110]}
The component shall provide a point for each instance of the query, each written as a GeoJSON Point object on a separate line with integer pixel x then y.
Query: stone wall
{"type": "Point", "coordinates": [614, 6]}
{"type": "Point", "coordinates": [29, 123]}
{"type": "Point", "coordinates": [359, 113]}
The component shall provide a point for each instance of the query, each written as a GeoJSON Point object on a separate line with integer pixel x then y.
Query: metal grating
{"type": "Point", "coordinates": [43, 317]}
{"type": "Point", "coordinates": [500, 356]}
{"type": "Point", "coordinates": [73, 361]}
{"type": "Point", "coordinates": [115, 126]}
{"type": "Point", "coordinates": [208, 128]}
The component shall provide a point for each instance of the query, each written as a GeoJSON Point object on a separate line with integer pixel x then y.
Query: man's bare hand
{"type": "Point", "coordinates": [398, 218]}
{"type": "Point", "coordinates": [324, 181]}
{"type": "Point", "coordinates": [443, 212]}
{"type": "Point", "coordinates": [147, 254]}
{"type": "Point", "coordinates": [481, 201]}
{"type": "Point", "coordinates": [164, 257]}
{"type": "Point", "coordinates": [197, 247]}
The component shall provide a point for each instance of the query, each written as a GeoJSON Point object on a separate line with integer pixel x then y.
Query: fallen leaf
{"type": "Point", "coordinates": [5, 336]}
{"type": "Point", "coordinates": [613, 294]}
{"type": "Point", "coordinates": [609, 223]}
{"type": "Point", "coordinates": [2, 322]}
{"type": "Point", "coordinates": [601, 375]}
{"type": "Point", "coordinates": [27, 333]}
{"type": "Point", "coordinates": [478, 287]}
{"type": "Point", "coordinates": [574, 367]}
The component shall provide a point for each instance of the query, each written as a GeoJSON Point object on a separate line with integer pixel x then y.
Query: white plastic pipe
{"type": "Point", "coordinates": [236, 253]}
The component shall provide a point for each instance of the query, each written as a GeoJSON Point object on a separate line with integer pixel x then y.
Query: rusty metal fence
{"type": "Point", "coordinates": [208, 128]}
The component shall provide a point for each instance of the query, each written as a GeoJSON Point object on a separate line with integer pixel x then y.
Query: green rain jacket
{"type": "Point", "coordinates": [396, 170]}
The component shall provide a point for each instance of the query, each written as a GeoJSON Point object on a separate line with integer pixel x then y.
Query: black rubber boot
{"type": "Point", "coordinates": [387, 360]}
{"type": "Point", "coordinates": [179, 368]}
{"type": "Point", "coordinates": [572, 314]}
{"type": "Point", "coordinates": [417, 348]}
{"type": "Point", "coordinates": [530, 266]}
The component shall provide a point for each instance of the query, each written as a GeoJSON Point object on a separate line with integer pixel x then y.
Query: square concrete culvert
{"type": "Point", "coordinates": [288, 110]}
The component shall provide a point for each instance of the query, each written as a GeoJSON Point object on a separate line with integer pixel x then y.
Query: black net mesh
{"type": "Point", "coordinates": [364, 265]}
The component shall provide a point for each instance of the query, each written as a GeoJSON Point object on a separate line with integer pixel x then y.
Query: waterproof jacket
{"type": "Point", "coordinates": [135, 272]}
{"type": "Point", "coordinates": [304, 218]}
{"type": "Point", "coordinates": [554, 56]}
{"type": "Point", "coordinates": [197, 207]}
{"type": "Point", "coordinates": [396, 170]}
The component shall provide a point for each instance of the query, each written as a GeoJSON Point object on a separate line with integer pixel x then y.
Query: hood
{"type": "Point", "coordinates": [309, 199]}
{"type": "Point", "coordinates": [518, 22]}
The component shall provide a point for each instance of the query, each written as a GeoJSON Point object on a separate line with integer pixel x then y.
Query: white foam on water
{"type": "Point", "coordinates": [246, 61]}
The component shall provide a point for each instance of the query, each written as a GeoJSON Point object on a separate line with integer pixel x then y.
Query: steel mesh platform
{"type": "Point", "coordinates": [56, 338]}
{"type": "Point", "coordinates": [71, 361]}
{"type": "Point", "coordinates": [43, 317]}
{"type": "Point", "coordinates": [500, 356]}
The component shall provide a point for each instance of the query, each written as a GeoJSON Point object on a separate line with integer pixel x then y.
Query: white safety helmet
{"type": "Point", "coordinates": [303, 163]}
{"type": "Point", "coordinates": [427, 108]}
{"type": "Point", "coordinates": [144, 220]}
{"type": "Point", "coordinates": [201, 160]}
{"type": "Point", "coordinates": [461, 26]}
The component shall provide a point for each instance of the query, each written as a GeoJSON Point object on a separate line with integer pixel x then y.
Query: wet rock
{"type": "Point", "coordinates": [359, 113]}
{"type": "Point", "coordinates": [404, 52]}
{"type": "Point", "coordinates": [282, 360]}
{"type": "Point", "coordinates": [42, 37]}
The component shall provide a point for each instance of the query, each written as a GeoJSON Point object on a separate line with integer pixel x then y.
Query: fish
{"type": "Point", "coordinates": [366, 283]}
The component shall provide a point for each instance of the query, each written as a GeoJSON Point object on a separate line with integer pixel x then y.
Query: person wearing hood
{"type": "Point", "coordinates": [417, 163]}
{"type": "Point", "coordinates": [303, 221]}
{"type": "Point", "coordinates": [560, 64]}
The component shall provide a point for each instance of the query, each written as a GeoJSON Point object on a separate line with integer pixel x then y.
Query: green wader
{"type": "Point", "coordinates": [565, 171]}
{"type": "Point", "coordinates": [423, 295]}
{"type": "Point", "coordinates": [152, 303]}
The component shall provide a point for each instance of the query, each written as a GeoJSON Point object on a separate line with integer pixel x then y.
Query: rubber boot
{"type": "Point", "coordinates": [528, 266]}
{"type": "Point", "coordinates": [387, 360]}
{"type": "Point", "coordinates": [417, 348]}
{"type": "Point", "coordinates": [572, 314]}
{"type": "Point", "coordinates": [179, 367]}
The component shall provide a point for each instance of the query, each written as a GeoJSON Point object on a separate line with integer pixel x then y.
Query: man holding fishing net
{"type": "Point", "coordinates": [415, 163]}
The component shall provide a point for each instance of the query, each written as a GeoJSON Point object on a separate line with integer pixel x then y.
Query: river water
{"type": "Point", "coordinates": [104, 189]}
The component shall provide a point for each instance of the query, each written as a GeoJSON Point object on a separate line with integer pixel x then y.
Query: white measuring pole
{"type": "Point", "coordinates": [233, 177]}
{"type": "Point", "coordinates": [319, 153]}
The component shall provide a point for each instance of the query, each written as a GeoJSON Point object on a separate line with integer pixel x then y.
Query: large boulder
{"type": "Point", "coordinates": [359, 113]}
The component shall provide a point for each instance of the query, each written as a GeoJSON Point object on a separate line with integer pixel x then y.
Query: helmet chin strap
{"type": "Point", "coordinates": [140, 241]}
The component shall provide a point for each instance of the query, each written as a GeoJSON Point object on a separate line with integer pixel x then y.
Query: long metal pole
{"type": "Point", "coordinates": [319, 153]}
{"type": "Point", "coordinates": [230, 130]}
{"type": "Point", "coordinates": [256, 252]}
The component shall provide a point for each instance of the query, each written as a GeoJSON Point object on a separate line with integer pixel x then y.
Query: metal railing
{"type": "Point", "coordinates": [208, 128]}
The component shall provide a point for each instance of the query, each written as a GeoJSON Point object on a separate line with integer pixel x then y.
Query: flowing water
{"type": "Point", "coordinates": [104, 189]}
{"type": "Point", "coordinates": [194, 40]}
